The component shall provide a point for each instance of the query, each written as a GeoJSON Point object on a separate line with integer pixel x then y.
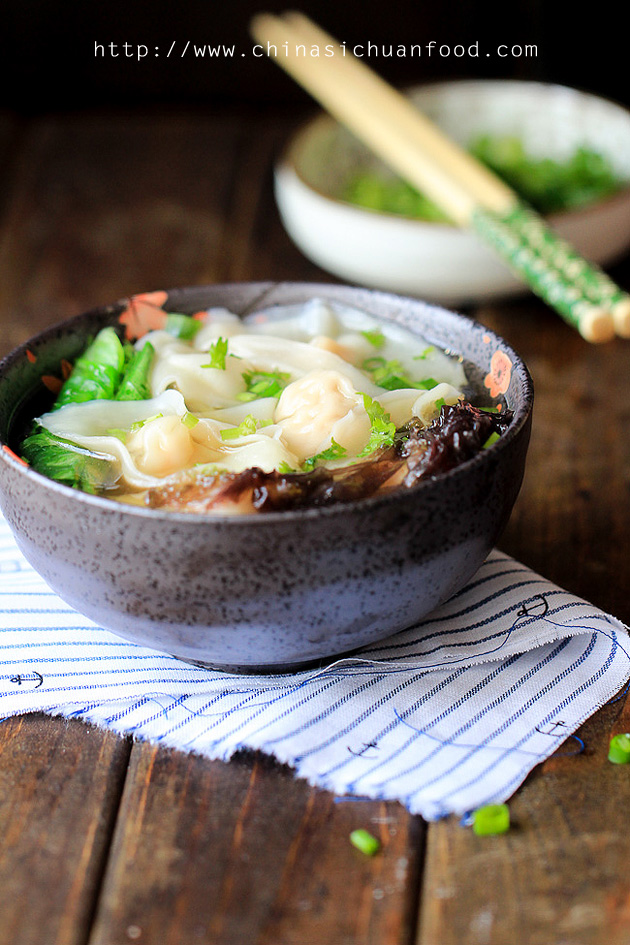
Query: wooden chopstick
{"type": "Point", "coordinates": [467, 191]}
{"type": "Point", "coordinates": [383, 118]}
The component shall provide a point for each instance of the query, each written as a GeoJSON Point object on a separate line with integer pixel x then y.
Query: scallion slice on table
{"type": "Point", "coordinates": [364, 841]}
{"type": "Point", "coordinates": [619, 749]}
{"type": "Point", "coordinates": [491, 819]}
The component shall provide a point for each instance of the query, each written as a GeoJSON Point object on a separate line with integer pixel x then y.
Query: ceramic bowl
{"type": "Point", "coordinates": [269, 591]}
{"type": "Point", "coordinates": [433, 260]}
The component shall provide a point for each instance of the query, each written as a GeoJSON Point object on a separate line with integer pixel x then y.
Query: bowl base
{"type": "Point", "coordinates": [273, 669]}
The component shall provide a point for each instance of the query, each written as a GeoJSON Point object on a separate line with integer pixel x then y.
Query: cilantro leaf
{"type": "Point", "coordinates": [383, 429]}
{"type": "Point", "coordinates": [248, 426]}
{"type": "Point", "coordinates": [425, 354]}
{"type": "Point", "coordinates": [334, 451]}
{"type": "Point", "coordinates": [218, 353]}
{"type": "Point", "coordinates": [375, 337]}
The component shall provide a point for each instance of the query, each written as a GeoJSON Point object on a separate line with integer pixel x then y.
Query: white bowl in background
{"type": "Point", "coordinates": [435, 260]}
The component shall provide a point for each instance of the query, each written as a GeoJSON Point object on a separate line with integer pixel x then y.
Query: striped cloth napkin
{"type": "Point", "coordinates": [445, 717]}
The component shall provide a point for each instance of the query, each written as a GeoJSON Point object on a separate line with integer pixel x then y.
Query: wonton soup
{"type": "Point", "coordinates": [296, 407]}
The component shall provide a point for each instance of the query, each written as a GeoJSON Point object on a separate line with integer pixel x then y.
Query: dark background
{"type": "Point", "coordinates": [48, 61]}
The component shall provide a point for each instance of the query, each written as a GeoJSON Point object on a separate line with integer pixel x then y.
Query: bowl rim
{"type": "Point", "coordinates": [521, 418]}
{"type": "Point", "coordinates": [288, 161]}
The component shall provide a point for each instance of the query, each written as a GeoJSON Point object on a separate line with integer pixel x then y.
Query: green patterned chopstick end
{"type": "Point", "coordinates": [580, 292]}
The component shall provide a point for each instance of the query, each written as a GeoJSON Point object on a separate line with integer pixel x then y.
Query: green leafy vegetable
{"type": "Point", "coordinates": [547, 184]}
{"type": "Point", "coordinates": [66, 462]}
{"type": "Point", "coordinates": [182, 326]}
{"type": "Point", "coordinates": [135, 380]}
{"type": "Point", "coordinates": [248, 426]}
{"type": "Point", "coordinates": [263, 384]}
{"type": "Point", "coordinates": [334, 451]}
{"type": "Point", "coordinates": [96, 373]}
{"type": "Point", "coordinates": [382, 431]}
{"type": "Point", "coordinates": [218, 354]}
{"type": "Point", "coordinates": [388, 194]}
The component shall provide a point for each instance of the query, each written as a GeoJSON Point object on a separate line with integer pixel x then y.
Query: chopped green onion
{"type": "Point", "coordinates": [619, 749]}
{"type": "Point", "coordinates": [182, 326]}
{"type": "Point", "coordinates": [263, 384]}
{"type": "Point", "coordinates": [440, 402]}
{"type": "Point", "coordinates": [218, 353]}
{"type": "Point", "coordinates": [494, 436]}
{"type": "Point", "coordinates": [373, 364]}
{"type": "Point", "coordinates": [249, 425]}
{"type": "Point", "coordinates": [491, 819]}
{"type": "Point", "coordinates": [190, 420]}
{"type": "Point", "coordinates": [382, 429]}
{"type": "Point", "coordinates": [334, 451]}
{"type": "Point", "coordinates": [364, 841]}
{"type": "Point", "coordinates": [140, 423]}
{"type": "Point", "coordinates": [285, 468]}
{"type": "Point", "coordinates": [375, 337]}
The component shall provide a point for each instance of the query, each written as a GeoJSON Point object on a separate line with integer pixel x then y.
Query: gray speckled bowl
{"type": "Point", "coordinates": [272, 591]}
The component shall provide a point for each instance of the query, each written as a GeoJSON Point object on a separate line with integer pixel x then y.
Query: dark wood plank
{"type": "Point", "coordinates": [561, 874]}
{"type": "Point", "coordinates": [102, 207]}
{"type": "Point", "coordinates": [60, 783]}
{"type": "Point", "coordinates": [244, 852]}
{"type": "Point", "coordinates": [572, 519]}
{"type": "Point", "coordinates": [257, 246]}
{"type": "Point", "coordinates": [105, 207]}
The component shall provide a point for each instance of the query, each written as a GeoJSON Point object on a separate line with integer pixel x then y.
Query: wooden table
{"type": "Point", "coordinates": [106, 841]}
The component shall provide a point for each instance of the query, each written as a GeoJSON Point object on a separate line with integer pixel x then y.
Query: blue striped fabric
{"type": "Point", "coordinates": [446, 716]}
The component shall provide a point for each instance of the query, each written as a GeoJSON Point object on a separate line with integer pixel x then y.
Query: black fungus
{"type": "Point", "coordinates": [419, 453]}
